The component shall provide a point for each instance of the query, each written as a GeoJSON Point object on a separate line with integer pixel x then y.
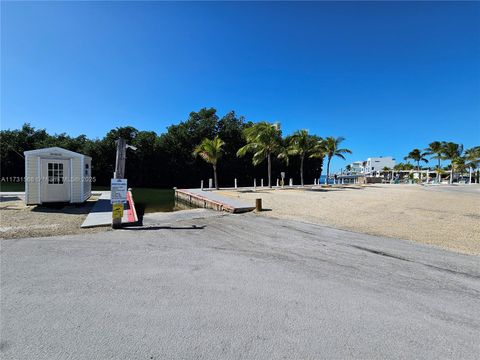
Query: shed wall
{"type": "Point", "coordinates": [87, 174]}
{"type": "Point", "coordinates": [76, 180]}
{"type": "Point", "coordinates": [32, 180]}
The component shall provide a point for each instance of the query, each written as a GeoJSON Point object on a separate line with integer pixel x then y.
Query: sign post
{"type": "Point", "coordinates": [118, 188]}
{"type": "Point", "coordinates": [118, 197]}
{"type": "Point", "coordinates": [118, 174]}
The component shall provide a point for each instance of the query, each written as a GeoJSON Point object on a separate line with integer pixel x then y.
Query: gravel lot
{"type": "Point", "coordinates": [446, 216]}
{"type": "Point", "coordinates": [215, 286]}
{"type": "Point", "coordinates": [20, 221]}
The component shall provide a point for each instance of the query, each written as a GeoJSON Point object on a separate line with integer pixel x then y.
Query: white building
{"type": "Point", "coordinates": [356, 167]}
{"type": "Point", "coordinates": [375, 165]}
{"type": "Point", "coordinates": [57, 175]}
{"type": "Point", "coordinates": [372, 166]}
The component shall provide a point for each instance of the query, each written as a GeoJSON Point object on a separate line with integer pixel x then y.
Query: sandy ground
{"type": "Point", "coordinates": [20, 221]}
{"type": "Point", "coordinates": [446, 216]}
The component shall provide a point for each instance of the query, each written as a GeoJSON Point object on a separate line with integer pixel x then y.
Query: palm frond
{"type": "Point", "coordinates": [210, 150]}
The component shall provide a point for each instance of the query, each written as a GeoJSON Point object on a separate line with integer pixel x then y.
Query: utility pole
{"type": "Point", "coordinates": [120, 159]}
{"type": "Point", "coordinates": [119, 174]}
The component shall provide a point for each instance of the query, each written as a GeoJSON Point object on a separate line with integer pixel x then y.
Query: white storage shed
{"type": "Point", "coordinates": [57, 175]}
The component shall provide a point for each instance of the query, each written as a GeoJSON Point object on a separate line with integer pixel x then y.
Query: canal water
{"type": "Point", "coordinates": [148, 200]}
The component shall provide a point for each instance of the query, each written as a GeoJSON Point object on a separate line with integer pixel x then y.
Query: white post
{"type": "Point", "coordinates": [210, 183]}
{"type": "Point", "coordinates": [254, 184]}
{"type": "Point", "coordinates": [235, 183]}
{"type": "Point", "coordinates": [261, 182]}
{"type": "Point", "coordinates": [277, 183]}
{"type": "Point", "coordinates": [201, 185]}
{"type": "Point", "coordinates": [290, 182]}
{"type": "Point", "coordinates": [470, 181]}
{"type": "Point", "coordinates": [314, 181]}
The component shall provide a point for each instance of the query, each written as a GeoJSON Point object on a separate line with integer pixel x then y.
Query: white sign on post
{"type": "Point", "coordinates": [118, 191]}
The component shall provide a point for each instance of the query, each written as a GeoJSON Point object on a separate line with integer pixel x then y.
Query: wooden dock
{"type": "Point", "coordinates": [211, 200]}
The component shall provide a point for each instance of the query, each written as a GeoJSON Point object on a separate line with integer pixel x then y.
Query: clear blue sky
{"type": "Point", "coordinates": [387, 76]}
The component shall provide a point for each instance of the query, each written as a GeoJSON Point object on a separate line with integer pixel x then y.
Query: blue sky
{"type": "Point", "coordinates": [387, 76]}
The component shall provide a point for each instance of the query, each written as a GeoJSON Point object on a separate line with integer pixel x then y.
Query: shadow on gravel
{"type": "Point", "coordinates": [334, 188]}
{"type": "Point", "coordinates": [6, 198]}
{"type": "Point", "coordinates": [65, 208]}
{"type": "Point", "coordinates": [192, 227]}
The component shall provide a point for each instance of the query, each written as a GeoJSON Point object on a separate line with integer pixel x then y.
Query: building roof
{"type": "Point", "coordinates": [54, 151]}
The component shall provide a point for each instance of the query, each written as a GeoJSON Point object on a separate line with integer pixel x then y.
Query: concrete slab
{"type": "Point", "coordinates": [213, 200]}
{"type": "Point", "coordinates": [101, 213]}
{"type": "Point", "coordinates": [168, 218]}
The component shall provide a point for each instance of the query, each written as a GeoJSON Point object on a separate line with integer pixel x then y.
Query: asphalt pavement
{"type": "Point", "coordinates": [205, 285]}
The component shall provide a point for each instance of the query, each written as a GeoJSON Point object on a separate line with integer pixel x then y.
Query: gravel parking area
{"type": "Point", "coordinates": [446, 216]}
{"type": "Point", "coordinates": [20, 221]}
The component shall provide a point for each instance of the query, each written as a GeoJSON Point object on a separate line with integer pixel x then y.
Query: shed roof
{"type": "Point", "coordinates": [54, 149]}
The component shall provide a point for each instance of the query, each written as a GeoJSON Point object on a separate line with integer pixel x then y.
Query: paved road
{"type": "Point", "coordinates": [214, 286]}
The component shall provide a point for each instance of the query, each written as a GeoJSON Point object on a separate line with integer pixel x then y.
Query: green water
{"type": "Point", "coordinates": [12, 186]}
{"type": "Point", "coordinates": [148, 200]}
{"type": "Point", "coordinates": [154, 200]}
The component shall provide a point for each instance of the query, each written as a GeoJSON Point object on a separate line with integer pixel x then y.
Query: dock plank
{"type": "Point", "coordinates": [213, 200]}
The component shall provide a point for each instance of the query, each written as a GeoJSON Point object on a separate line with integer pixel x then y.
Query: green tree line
{"type": "Point", "coordinates": [165, 160]}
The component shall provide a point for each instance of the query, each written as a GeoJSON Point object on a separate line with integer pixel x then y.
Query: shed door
{"type": "Point", "coordinates": [55, 180]}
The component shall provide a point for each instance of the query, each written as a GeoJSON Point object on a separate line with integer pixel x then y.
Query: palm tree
{"type": "Point", "coordinates": [472, 159]}
{"type": "Point", "coordinates": [319, 153]}
{"type": "Point", "coordinates": [399, 166]}
{"type": "Point", "coordinates": [408, 166]}
{"type": "Point", "coordinates": [211, 151]}
{"type": "Point", "coordinates": [417, 155]}
{"type": "Point", "coordinates": [331, 148]}
{"type": "Point", "coordinates": [386, 171]}
{"type": "Point", "coordinates": [303, 144]}
{"type": "Point", "coordinates": [435, 148]}
{"type": "Point", "coordinates": [263, 140]}
{"type": "Point", "coordinates": [451, 151]}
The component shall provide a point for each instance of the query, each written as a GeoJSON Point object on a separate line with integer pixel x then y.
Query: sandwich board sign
{"type": "Point", "coordinates": [118, 191]}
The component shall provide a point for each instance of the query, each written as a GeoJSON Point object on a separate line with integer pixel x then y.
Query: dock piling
{"type": "Point", "coordinates": [258, 204]}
